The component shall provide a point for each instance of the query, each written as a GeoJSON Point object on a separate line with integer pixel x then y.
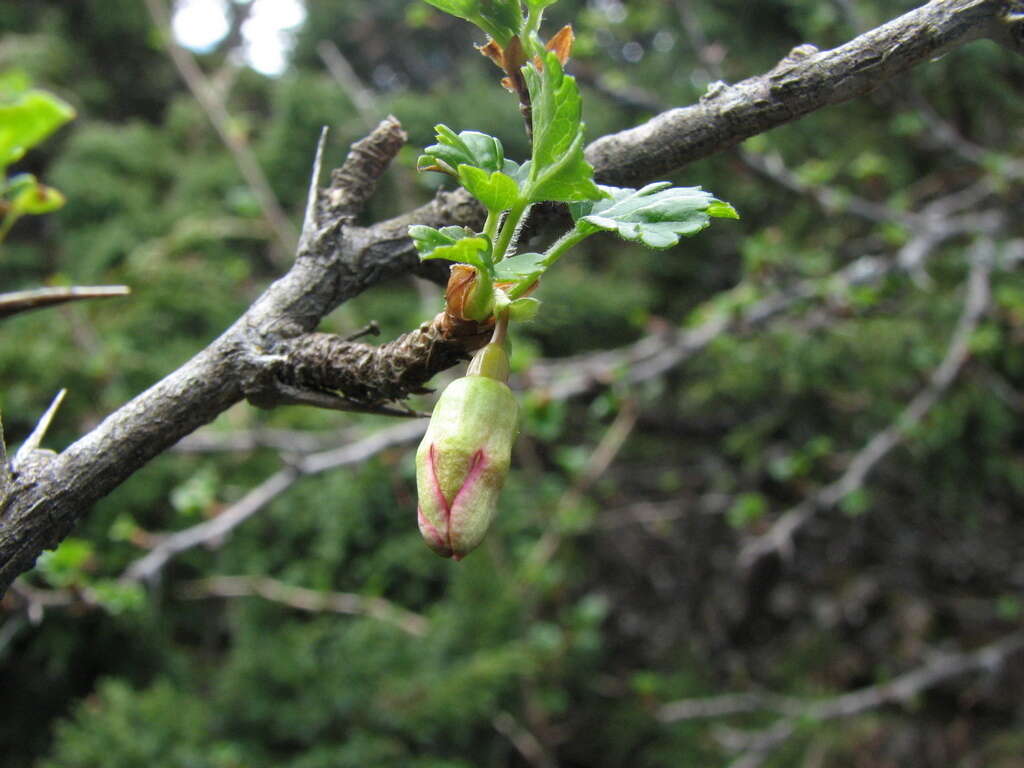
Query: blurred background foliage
{"type": "Point", "coordinates": [610, 585]}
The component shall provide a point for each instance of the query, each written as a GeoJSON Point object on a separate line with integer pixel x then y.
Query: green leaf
{"type": "Point", "coordinates": [520, 266]}
{"type": "Point", "coordinates": [498, 192]}
{"type": "Point", "coordinates": [469, 250]}
{"type": "Point", "coordinates": [67, 564]}
{"type": "Point", "coordinates": [36, 199]}
{"type": "Point", "coordinates": [656, 215]}
{"type": "Point", "coordinates": [540, 5]}
{"type": "Point", "coordinates": [722, 210]}
{"type": "Point", "coordinates": [467, 148]}
{"type": "Point", "coordinates": [426, 239]}
{"type": "Point", "coordinates": [12, 83]}
{"type": "Point", "coordinates": [501, 19]}
{"type": "Point", "coordinates": [524, 309]}
{"type": "Point", "coordinates": [119, 598]}
{"type": "Point", "coordinates": [26, 119]}
{"type": "Point", "coordinates": [558, 170]}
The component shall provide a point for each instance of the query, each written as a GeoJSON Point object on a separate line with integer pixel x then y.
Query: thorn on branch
{"type": "Point", "coordinates": [34, 440]}
{"type": "Point", "coordinates": [309, 219]}
{"type": "Point", "coordinates": [371, 329]}
{"type": "Point", "coordinates": [40, 298]}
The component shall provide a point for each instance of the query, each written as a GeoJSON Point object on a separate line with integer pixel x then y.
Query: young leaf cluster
{"type": "Point", "coordinates": [657, 215]}
{"type": "Point", "coordinates": [27, 117]}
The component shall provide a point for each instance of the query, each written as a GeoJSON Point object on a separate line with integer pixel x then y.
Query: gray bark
{"type": "Point", "coordinates": [272, 354]}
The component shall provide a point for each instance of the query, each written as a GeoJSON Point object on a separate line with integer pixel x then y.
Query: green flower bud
{"type": "Point", "coordinates": [470, 293]}
{"type": "Point", "coordinates": [464, 458]}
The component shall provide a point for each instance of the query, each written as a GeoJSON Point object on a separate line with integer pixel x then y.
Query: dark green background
{"type": "Point", "coordinates": [582, 648]}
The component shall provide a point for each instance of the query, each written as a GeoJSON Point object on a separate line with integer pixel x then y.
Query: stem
{"type": "Point", "coordinates": [491, 225]}
{"type": "Point", "coordinates": [555, 252]}
{"type": "Point", "coordinates": [492, 360]}
{"type": "Point", "coordinates": [533, 19]}
{"type": "Point", "coordinates": [563, 244]}
{"type": "Point", "coordinates": [6, 224]}
{"type": "Point", "coordinates": [500, 328]}
{"type": "Point", "coordinates": [508, 230]}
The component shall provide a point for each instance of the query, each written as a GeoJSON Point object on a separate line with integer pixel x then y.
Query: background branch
{"type": "Point", "coordinates": [309, 600]}
{"type": "Point", "coordinates": [806, 80]}
{"type": "Point", "coordinates": [217, 113]}
{"type": "Point", "coordinates": [900, 689]}
{"type": "Point", "coordinates": [779, 538]}
{"type": "Point", "coordinates": [40, 298]}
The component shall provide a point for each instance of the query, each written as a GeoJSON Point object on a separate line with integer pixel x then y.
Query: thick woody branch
{"type": "Point", "coordinates": [805, 81]}
{"type": "Point", "coordinates": [48, 493]}
{"type": "Point", "coordinates": [364, 373]}
{"type": "Point", "coordinates": [337, 260]}
{"type": "Point", "coordinates": [802, 83]}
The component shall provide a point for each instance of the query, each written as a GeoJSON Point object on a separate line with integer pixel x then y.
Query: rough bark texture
{"type": "Point", "coordinates": [805, 80]}
{"type": "Point", "coordinates": [272, 355]}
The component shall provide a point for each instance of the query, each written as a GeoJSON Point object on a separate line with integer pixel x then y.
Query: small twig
{"type": "Point", "coordinates": [525, 743]}
{"type": "Point", "coordinates": [372, 328]}
{"type": "Point", "coordinates": [945, 135]}
{"type": "Point", "coordinates": [35, 439]}
{"type": "Point", "coordinates": [900, 689]}
{"type": "Point", "coordinates": [285, 394]}
{"type": "Point", "coordinates": [290, 441]}
{"type": "Point", "coordinates": [660, 352]}
{"type": "Point", "coordinates": [830, 200]}
{"type": "Point", "coordinates": [697, 38]}
{"type": "Point", "coordinates": [39, 298]}
{"type": "Point", "coordinates": [303, 599]}
{"type": "Point", "coordinates": [217, 112]}
{"type": "Point", "coordinates": [779, 538]}
{"type": "Point", "coordinates": [213, 533]}
{"type": "Point", "coordinates": [361, 97]}
{"type": "Point", "coordinates": [600, 459]}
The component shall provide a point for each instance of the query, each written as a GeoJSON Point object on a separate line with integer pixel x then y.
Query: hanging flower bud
{"type": "Point", "coordinates": [464, 458]}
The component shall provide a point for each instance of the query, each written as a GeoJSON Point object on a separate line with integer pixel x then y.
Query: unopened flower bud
{"type": "Point", "coordinates": [470, 294]}
{"type": "Point", "coordinates": [464, 458]}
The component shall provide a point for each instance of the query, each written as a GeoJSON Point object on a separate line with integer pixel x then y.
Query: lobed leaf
{"type": "Point", "coordinates": [465, 250]}
{"type": "Point", "coordinates": [501, 19]}
{"type": "Point", "coordinates": [558, 170]}
{"type": "Point", "coordinates": [497, 192]}
{"type": "Point", "coordinates": [520, 266]}
{"type": "Point", "coordinates": [656, 215]}
{"type": "Point", "coordinates": [467, 148]}
{"type": "Point", "coordinates": [426, 239]}
{"type": "Point", "coordinates": [26, 119]}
